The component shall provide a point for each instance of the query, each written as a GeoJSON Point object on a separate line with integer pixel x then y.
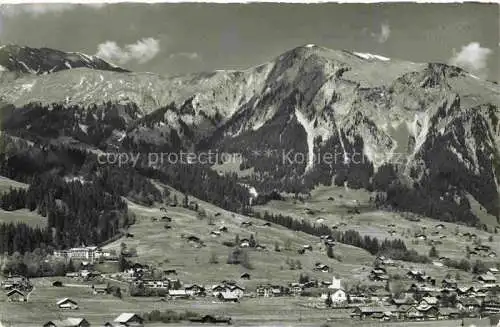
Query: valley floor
{"type": "Point", "coordinates": [249, 312]}
{"type": "Point", "coordinates": [168, 249]}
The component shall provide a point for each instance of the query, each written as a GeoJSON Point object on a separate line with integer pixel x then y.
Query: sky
{"type": "Point", "coordinates": [172, 38]}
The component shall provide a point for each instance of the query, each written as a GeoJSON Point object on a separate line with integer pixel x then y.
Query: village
{"type": "Point", "coordinates": [425, 299]}
{"type": "Point", "coordinates": [170, 261]}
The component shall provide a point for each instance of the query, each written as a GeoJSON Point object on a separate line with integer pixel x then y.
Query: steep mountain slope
{"type": "Point", "coordinates": [426, 136]}
{"type": "Point", "coordinates": [14, 58]}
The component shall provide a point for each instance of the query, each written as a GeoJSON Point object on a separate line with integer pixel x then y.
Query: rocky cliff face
{"type": "Point", "coordinates": [426, 136]}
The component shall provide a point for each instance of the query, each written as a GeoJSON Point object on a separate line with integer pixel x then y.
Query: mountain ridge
{"type": "Point", "coordinates": [21, 59]}
{"type": "Point", "coordinates": [428, 132]}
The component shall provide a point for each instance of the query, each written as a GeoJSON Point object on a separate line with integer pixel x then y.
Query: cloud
{"type": "Point", "coordinates": [141, 51]}
{"type": "Point", "coordinates": [384, 34]}
{"type": "Point", "coordinates": [38, 9]}
{"type": "Point", "coordinates": [186, 55]}
{"type": "Point", "coordinates": [473, 58]}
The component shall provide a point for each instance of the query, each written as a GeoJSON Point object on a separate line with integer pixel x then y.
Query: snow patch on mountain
{"type": "Point", "coordinates": [369, 56]}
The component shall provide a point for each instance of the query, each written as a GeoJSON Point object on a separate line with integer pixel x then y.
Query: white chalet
{"type": "Point", "coordinates": [67, 304]}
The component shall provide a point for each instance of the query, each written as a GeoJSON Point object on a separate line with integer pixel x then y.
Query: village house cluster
{"type": "Point", "coordinates": [428, 299]}
{"type": "Point", "coordinates": [17, 288]}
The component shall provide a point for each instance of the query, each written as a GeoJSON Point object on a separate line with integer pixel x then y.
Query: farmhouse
{"type": "Point", "coordinates": [169, 272]}
{"type": "Point", "coordinates": [411, 313]}
{"type": "Point", "coordinates": [296, 289]}
{"type": "Point", "coordinates": [487, 279]}
{"type": "Point", "coordinates": [484, 248]}
{"type": "Point", "coordinates": [260, 247]}
{"type": "Point", "coordinates": [378, 274]}
{"type": "Point", "coordinates": [468, 304]}
{"type": "Point", "coordinates": [413, 274]}
{"type": "Point", "coordinates": [493, 271]}
{"type": "Point", "coordinates": [67, 304]}
{"type": "Point", "coordinates": [429, 311]}
{"type": "Point", "coordinates": [491, 305]}
{"type": "Point", "coordinates": [73, 274]}
{"type": "Point", "coordinates": [215, 233]}
{"type": "Point", "coordinates": [421, 237]}
{"type": "Point", "coordinates": [420, 276]}
{"type": "Point", "coordinates": [195, 290]}
{"type": "Point", "coordinates": [156, 283]}
{"type": "Point", "coordinates": [211, 319]}
{"type": "Point", "coordinates": [307, 247]}
{"type": "Point", "coordinates": [129, 320]}
{"type": "Point", "coordinates": [407, 300]}
{"type": "Point", "coordinates": [382, 260]}
{"type": "Point", "coordinates": [16, 296]}
{"type": "Point", "coordinates": [238, 291]}
{"type": "Point", "coordinates": [449, 283]}
{"type": "Point", "coordinates": [216, 289]}
{"type": "Point", "coordinates": [374, 312]}
{"type": "Point", "coordinates": [195, 240]}
{"type": "Point", "coordinates": [321, 267]}
{"type": "Point", "coordinates": [466, 291]}
{"type": "Point", "coordinates": [245, 243]}
{"type": "Point", "coordinates": [380, 296]}
{"type": "Point", "coordinates": [178, 294]}
{"type": "Point", "coordinates": [448, 313]}
{"type": "Point", "coordinates": [68, 322]}
{"type": "Point", "coordinates": [271, 290]}
{"type": "Point", "coordinates": [16, 282]}
{"type": "Point", "coordinates": [57, 283]}
{"type": "Point", "coordinates": [422, 312]}
{"type": "Point", "coordinates": [100, 289]}
{"type": "Point", "coordinates": [228, 297]}
{"type": "Point", "coordinates": [428, 301]}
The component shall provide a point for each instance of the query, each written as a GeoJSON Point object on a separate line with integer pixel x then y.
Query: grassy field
{"type": "Point", "coordinates": [232, 166]}
{"type": "Point", "coordinates": [25, 216]}
{"type": "Point", "coordinates": [7, 183]}
{"type": "Point", "coordinates": [30, 218]}
{"type": "Point", "coordinates": [166, 249]}
{"type": "Point", "coordinates": [331, 204]}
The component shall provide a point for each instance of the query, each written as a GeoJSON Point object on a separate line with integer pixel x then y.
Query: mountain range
{"type": "Point", "coordinates": [424, 137]}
